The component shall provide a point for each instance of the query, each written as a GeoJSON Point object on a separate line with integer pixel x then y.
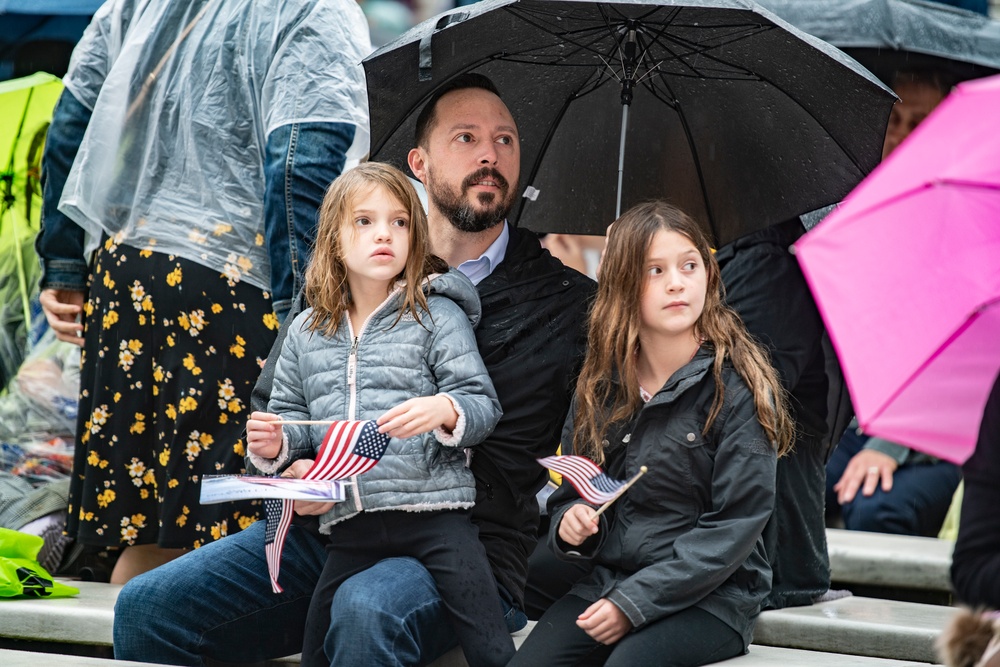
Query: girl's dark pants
{"type": "Point", "coordinates": [688, 638]}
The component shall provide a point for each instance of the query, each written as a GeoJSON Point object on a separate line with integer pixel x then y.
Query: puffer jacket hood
{"type": "Point", "coordinates": [455, 286]}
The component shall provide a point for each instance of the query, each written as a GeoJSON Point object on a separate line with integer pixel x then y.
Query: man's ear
{"type": "Point", "coordinates": [418, 163]}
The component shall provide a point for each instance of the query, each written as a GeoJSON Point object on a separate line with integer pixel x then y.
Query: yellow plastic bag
{"type": "Point", "coordinates": [20, 574]}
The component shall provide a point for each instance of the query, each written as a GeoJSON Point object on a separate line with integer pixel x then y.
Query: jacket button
{"type": "Point", "coordinates": [691, 437]}
{"type": "Point", "coordinates": [604, 443]}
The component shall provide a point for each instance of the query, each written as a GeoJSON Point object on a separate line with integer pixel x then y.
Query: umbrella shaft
{"type": "Point", "coordinates": [621, 160]}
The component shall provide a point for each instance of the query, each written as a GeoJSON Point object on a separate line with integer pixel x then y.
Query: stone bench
{"type": "Point", "coordinates": [770, 656]}
{"type": "Point", "coordinates": [82, 621]}
{"type": "Point", "coordinates": [83, 624]}
{"type": "Point", "coordinates": [11, 658]}
{"type": "Point", "coordinates": [858, 626]}
{"type": "Point", "coordinates": [894, 561]}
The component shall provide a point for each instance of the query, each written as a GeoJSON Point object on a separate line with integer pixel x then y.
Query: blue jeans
{"type": "Point", "coordinates": [216, 602]}
{"type": "Point", "coordinates": [917, 504]}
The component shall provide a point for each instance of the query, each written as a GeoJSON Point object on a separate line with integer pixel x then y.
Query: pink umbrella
{"type": "Point", "coordinates": [907, 276]}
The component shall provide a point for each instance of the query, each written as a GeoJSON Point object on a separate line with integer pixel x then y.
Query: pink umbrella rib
{"type": "Point", "coordinates": [926, 185]}
{"type": "Point", "coordinates": [976, 185]}
{"type": "Point", "coordinates": [941, 348]}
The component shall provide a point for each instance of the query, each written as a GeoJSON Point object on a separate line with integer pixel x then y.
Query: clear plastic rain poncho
{"type": "Point", "coordinates": [184, 94]}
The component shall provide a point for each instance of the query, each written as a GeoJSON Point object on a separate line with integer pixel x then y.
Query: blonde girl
{"type": "Point", "coordinates": [673, 381]}
{"type": "Point", "coordinates": [389, 337]}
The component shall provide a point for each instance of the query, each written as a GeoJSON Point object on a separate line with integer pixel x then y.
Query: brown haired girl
{"type": "Point", "coordinates": [672, 381]}
{"type": "Point", "coordinates": [389, 337]}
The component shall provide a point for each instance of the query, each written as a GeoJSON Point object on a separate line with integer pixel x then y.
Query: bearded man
{"type": "Point", "coordinates": [216, 602]}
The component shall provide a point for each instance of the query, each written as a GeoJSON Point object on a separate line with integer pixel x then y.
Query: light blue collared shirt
{"type": "Point", "coordinates": [478, 269]}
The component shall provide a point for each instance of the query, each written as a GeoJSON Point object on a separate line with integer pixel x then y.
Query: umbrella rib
{"type": "Point", "coordinates": [544, 146]}
{"type": "Point", "coordinates": [974, 185]}
{"type": "Point", "coordinates": [530, 18]}
{"type": "Point", "coordinates": [926, 185]}
{"type": "Point", "coordinates": [930, 359]}
{"type": "Point", "coordinates": [535, 18]}
{"type": "Point", "coordinates": [694, 153]}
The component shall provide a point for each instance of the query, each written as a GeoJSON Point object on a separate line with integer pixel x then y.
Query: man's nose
{"type": "Point", "coordinates": [489, 154]}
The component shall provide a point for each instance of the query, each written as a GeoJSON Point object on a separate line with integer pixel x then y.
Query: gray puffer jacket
{"type": "Point", "coordinates": [390, 364]}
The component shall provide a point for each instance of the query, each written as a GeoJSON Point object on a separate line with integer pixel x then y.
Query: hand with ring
{"type": "Point", "coordinates": [865, 471]}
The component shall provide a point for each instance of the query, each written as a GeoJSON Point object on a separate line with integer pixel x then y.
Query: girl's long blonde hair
{"type": "Point", "coordinates": [326, 287]}
{"type": "Point", "coordinates": [609, 376]}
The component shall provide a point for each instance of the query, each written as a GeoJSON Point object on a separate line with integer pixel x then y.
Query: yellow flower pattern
{"type": "Point", "coordinates": [152, 422]}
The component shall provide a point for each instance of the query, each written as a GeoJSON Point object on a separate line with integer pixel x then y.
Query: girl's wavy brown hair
{"type": "Point", "coordinates": [607, 390]}
{"type": "Point", "coordinates": [326, 287]}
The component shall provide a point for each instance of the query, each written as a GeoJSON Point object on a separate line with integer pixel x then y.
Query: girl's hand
{"type": "Point", "coordinates": [264, 435]}
{"type": "Point", "coordinates": [604, 622]}
{"type": "Point", "coordinates": [418, 415]}
{"type": "Point", "coordinates": [297, 470]}
{"type": "Point", "coordinates": [577, 524]}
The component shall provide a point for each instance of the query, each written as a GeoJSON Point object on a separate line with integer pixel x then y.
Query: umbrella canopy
{"type": "Point", "coordinates": [40, 34]}
{"type": "Point", "coordinates": [25, 111]}
{"type": "Point", "coordinates": [907, 277]}
{"type": "Point", "coordinates": [738, 118]}
{"type": "Point", "coordinates": [889, 35]}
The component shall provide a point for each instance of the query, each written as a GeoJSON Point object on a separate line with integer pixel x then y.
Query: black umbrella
{"type": "Point", "coordinates": [718, 105]}
{"type": "Point", "coordinates": [891, 35]}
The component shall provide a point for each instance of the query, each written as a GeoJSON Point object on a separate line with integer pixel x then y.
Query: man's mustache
{"type": "Point", "coordinates": [486, 173]}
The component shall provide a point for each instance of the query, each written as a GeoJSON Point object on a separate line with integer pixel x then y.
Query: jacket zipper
{"type": "Point", "coordinates": [352, 377]}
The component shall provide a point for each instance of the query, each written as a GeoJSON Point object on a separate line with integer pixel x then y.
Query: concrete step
{"type": "Point", "coordinates": [770, 656]}
{"type": "Point", "coordinates": [9, 658]}
{"type": "Point", "coordinates": [858, 626]}
{"type": "Point", "coordinates": [85, 619]}
{"type": "Point", "coordinates": [879, 559]}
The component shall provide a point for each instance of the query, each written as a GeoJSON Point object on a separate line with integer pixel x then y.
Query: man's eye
{"type": "Point", "coordinates": [464, 138]}
{"type": "Point", "coordinates": [505, 140]}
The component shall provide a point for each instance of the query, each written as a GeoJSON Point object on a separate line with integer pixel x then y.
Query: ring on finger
{"type": "Point", "coordinates": [874, 470]}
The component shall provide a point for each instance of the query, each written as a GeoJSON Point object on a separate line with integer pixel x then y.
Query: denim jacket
{"type": "Point", "coordinates": [301, 159]}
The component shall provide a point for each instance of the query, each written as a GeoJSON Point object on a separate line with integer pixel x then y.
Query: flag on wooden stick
{"type": "Point", "coordinates": [349, 448]}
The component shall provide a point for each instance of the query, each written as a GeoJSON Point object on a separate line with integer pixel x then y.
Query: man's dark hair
{"type": "Point", "coordinates": [425, 121]}
{"type": "Point", "coordinates": [939, 79]}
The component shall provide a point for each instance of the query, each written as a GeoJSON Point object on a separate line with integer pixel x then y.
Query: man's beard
{"type": "Point", "coordinates": [464, 216]}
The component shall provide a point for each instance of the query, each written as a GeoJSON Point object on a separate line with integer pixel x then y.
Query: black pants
{"type": "Point", "coordinates": [686, 639]}
{"type": "Point", "coordinates": [549, 577]}
{"type": "Point", "coordinates": [795, 537]}
{"type": "Point", "coordinates": [448, 545]}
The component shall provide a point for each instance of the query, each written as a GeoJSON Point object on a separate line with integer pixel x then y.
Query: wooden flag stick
{"type": "Point", "coordinates": [305, 421]}
{"type": "Point", "coordinates": [642, 471]}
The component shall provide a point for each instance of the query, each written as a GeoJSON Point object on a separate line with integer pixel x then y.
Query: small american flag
{"type": "Point", "coordinates": [349, 448]}
{"type": "Point", "coordinates": [587, 478]}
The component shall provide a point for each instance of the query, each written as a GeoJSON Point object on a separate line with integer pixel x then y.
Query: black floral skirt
{"type": "Point", "coordinates": [171, 352]}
